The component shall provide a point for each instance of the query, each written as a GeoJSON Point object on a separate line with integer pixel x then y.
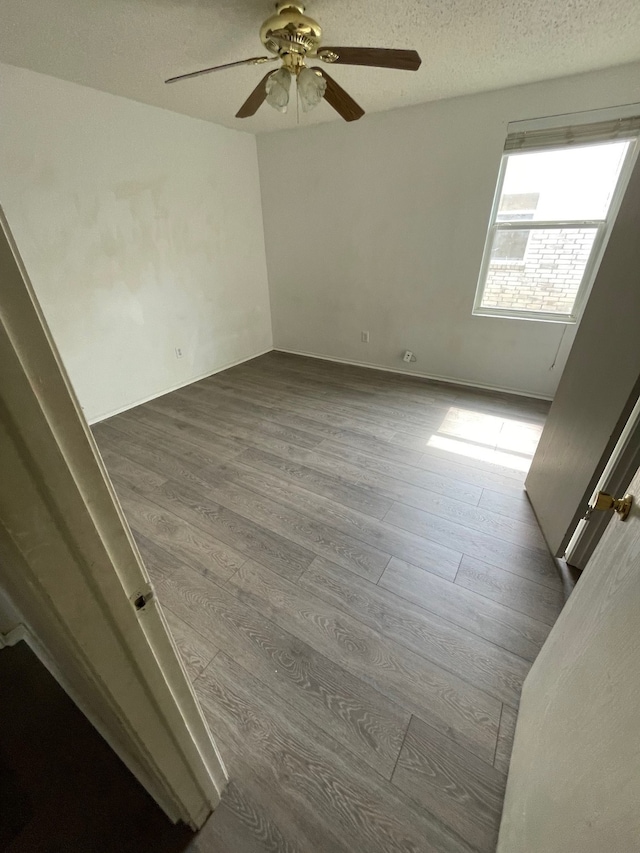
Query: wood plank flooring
{"type": "Point", "coordinates": [358, 587]}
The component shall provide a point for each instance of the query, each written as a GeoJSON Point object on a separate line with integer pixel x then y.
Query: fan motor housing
{"type": "Point", "coordinates": [290, 31]}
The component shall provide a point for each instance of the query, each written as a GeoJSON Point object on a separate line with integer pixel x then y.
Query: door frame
{"type": "Point", "coordinates": [70, 569]}
{"type": "Point", "coordinates": [615, 478]}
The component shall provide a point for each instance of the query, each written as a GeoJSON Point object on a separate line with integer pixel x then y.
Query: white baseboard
{"type": "Point", "coordinates": [14, 636]}
{"type": "Point", "coordinates": [190, 381]}
{"type": "Point", "coordinates": [466, 383]}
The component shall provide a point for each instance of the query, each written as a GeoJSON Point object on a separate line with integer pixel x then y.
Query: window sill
{"type": "Point", "coordinates": [535, 316]}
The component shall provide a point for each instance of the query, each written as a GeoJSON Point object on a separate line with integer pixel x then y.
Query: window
{"type": "Point", "coordinates": [557, 194]}
{"type": "Point", "coordinates": [513, 207]}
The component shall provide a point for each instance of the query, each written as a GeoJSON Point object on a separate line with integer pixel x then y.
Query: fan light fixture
{"type": "Point", "coordinates": [311, 87]}
{"type": "Point", "coordinates": [293, 38]}
{"type": "Point", "coordinates": [277, 87]}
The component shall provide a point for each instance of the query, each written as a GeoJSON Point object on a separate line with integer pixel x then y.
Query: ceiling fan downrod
{"type": "Point", "coordinates": [291, 33]}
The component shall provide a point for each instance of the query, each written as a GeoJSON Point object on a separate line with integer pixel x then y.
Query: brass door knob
{"type": "Point", "coordinates": [622, 506]}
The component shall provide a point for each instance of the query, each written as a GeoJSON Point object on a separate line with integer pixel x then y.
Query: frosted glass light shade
{"type": "Point", "coordinates": [311, 88]}
{"type": "Point", "coordinates": [277, 86]}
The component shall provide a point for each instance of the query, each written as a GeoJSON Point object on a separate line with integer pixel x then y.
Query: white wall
{"type": "Point", "coordinates": [141, 230]}
{"type": "Point", "coordinates": [379, 225]}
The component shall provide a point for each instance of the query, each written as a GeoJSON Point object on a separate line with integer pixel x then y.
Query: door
{"type": "Point", "coordinates": [574, 780]}
{"type": "Point", "coordinates": [598, 388]}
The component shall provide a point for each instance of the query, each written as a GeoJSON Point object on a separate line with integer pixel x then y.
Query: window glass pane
{"type": "Point", "coordinates": [517, 205]}
{"type": "Point", "coordinates": [565, 183]}
{"type": "Point", "coordinates": [547, 276]}
{"type": "Point", "coordinates": [509, 245]}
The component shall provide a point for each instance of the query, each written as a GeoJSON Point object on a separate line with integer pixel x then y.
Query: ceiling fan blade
{"type": "Point", "coordinates": [254, 60]}
{"type": "Point", "coordinates": [376, 57]}
{"type": "Point", "coordinates": [255, 99]}
{"type": "Point", "coordinates": [340, 100]}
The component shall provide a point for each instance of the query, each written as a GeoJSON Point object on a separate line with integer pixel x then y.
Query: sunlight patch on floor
{"type": "Point", "coordinates": [519, 436]}
{"type": "Point", "coordinates": [477, 451]}
{"type": "Point", "coordinates": [508, 443]}
{"type": "Point", "coordinates": [474, 426]}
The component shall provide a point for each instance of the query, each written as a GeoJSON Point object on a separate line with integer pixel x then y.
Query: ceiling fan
{"type": "Point", "coordinates": [294, 37]}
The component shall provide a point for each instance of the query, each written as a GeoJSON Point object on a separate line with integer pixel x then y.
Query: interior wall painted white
{"type": "Point", "coordinates": [141, 230]}
{"type": "Point", "coordinates": [379, 225]}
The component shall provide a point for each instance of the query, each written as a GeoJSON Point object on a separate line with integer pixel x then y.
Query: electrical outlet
{"type": "Point", "coordinates": [178, 352]}
{"type": "Point", "coordinates": [408, 356]}
{"type": "Point", "coordinates": [364, 337]}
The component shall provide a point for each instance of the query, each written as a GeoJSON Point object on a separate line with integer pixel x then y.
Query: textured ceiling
{"type": "Point", "coordinates": [128, 47]}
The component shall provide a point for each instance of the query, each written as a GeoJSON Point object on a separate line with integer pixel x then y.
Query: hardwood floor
{"type": "Point", "coordinates": [358, 586]}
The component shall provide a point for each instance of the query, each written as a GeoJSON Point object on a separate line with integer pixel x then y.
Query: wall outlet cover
{"type": "Point", "coordinates": [408, 356]}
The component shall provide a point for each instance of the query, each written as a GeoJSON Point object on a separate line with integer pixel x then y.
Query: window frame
{"type": "Point", "coordinates": [603, 231]}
